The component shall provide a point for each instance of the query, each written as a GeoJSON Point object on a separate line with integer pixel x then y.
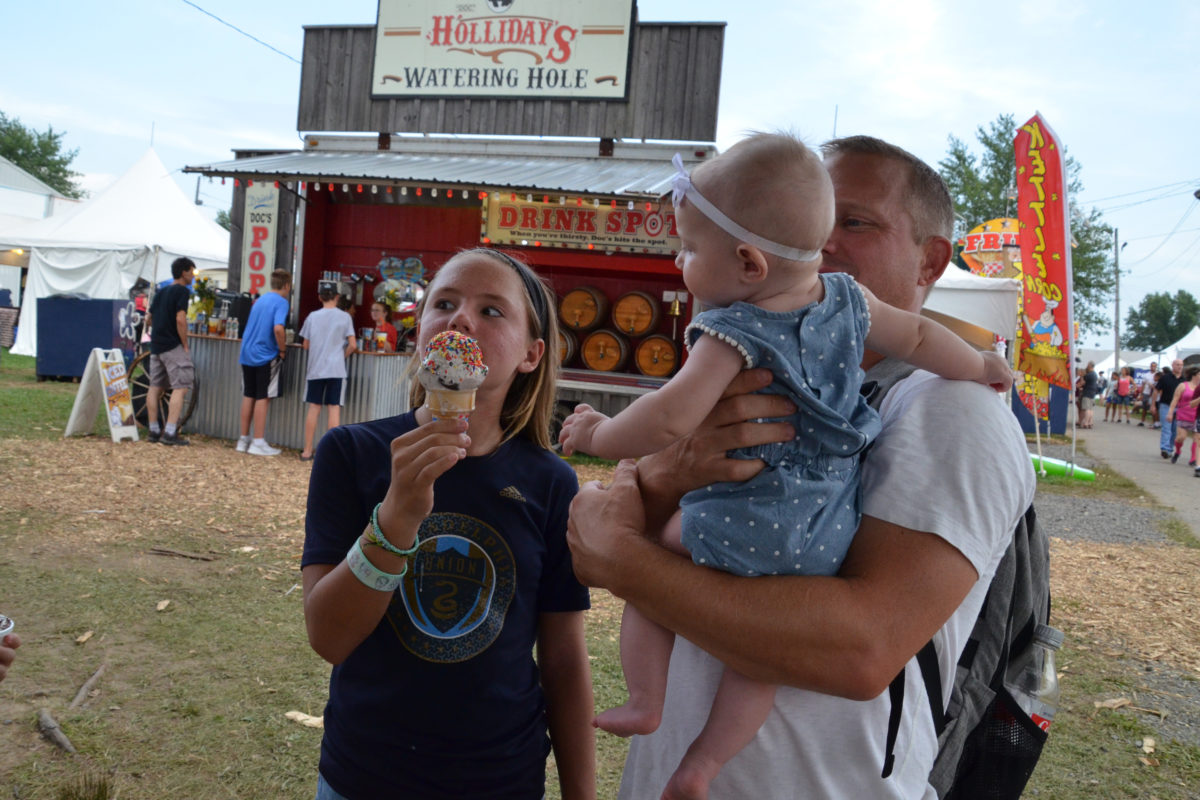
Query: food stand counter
{"type": "Point", "coordinates": [377, 386]}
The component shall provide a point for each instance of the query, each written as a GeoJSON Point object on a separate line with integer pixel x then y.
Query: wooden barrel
{"type": "Point", "coordinates": [567, 346]}
{"type": "Point", "coordinates": [604, 350]}
{"type": "Point", "coordinates": [656, 356]}
{"type": "Point", "coordinates": [583, 308]}
{"type": "Point", "coordinates": [635, 314]}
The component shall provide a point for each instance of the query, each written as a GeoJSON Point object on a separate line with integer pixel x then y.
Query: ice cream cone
{"type": "Point", "coordinates": [446, 404]}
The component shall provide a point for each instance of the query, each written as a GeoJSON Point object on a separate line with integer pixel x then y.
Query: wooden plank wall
{"type": "Point", "coordinates": [675, 76]}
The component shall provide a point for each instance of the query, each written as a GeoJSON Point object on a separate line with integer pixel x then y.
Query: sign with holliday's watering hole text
{"type": "Point", "coordinates": [259, 226]}
{"type": "Point", "coordinates": [576, 49]}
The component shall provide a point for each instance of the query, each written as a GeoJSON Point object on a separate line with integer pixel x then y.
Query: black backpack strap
{"type": "Point", "coordinates": [932, 676]}
{"type": "Point", "coordinates": [896, 695]}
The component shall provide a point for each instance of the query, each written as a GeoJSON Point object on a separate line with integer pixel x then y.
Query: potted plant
{"type": "Point", "coordinates": [206, 295]}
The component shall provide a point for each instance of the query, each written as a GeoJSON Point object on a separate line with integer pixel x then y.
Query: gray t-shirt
{"type": "Point", "coordinates": [327, 332]}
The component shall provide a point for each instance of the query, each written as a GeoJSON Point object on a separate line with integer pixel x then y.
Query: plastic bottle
{"type": "Point", "coordinates": [1038, 684]}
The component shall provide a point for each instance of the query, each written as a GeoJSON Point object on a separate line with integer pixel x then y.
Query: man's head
{"type": "Point", "coordinates": [894, 219]}
{"type": "Point", "coordinates": [281, 280]}
{"type": "Point", "coordinates": [327, 291]}
{"type": "Point", "coordinates": [183, 269]}
{"type": "Point", "coordinates": [1177, 367]}
{"type": "Point", "coordinates": [1154, 366]}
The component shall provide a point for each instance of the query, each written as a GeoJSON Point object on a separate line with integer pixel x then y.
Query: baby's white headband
{"type": "Point", "coordinates": [682, 186]}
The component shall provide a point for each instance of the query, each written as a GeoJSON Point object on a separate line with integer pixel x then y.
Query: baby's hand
{"type": "Point", "coordinates": [577, 429]}
{"type": "Point", "coordinates": [996, 372]}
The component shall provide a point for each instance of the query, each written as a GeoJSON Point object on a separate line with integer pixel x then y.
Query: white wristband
{"type": "Point", "coordinates": [371, 576]}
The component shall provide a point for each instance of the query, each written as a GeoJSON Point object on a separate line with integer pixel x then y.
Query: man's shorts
{"type": "Point", "coordinates": [326, 392]}
{"type": "Point", "coordinates": [262, 382]}
{"type": "Point", "coordinates": [172, 369]}
{"type": "Point", "coordinates": [1087, 403]}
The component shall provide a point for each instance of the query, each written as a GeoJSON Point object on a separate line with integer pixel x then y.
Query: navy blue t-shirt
{"type": "Point", "coordinates": [167, 303]}
{"type": "Point", "coordinates": [443, 699]}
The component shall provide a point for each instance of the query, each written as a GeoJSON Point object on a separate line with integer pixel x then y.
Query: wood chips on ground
{"type": "Point", "coordinates": [1139, 598]}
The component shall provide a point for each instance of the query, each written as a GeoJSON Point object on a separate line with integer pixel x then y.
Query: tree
{"type": "Point", "coordinates": [979, 187]}
{"type": "Point", "coordinates": [224, 220]}
{"type": "Point", "coordinates": [1160, 320]}
{"type": "Point", "coordinates": [40, 154]}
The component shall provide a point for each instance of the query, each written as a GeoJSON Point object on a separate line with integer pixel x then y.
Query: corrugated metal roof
{"type": "Point", "coordinates": [644, 172]}
{"type": "Point", "coordinates": [14, 177]}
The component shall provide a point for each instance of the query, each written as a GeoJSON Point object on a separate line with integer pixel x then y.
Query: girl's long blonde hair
{"type": "Point", "coordinates": [529, 405]}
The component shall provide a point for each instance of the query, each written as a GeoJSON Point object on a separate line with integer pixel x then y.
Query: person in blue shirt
{"type": "Point", "coordinates": [264, 347]}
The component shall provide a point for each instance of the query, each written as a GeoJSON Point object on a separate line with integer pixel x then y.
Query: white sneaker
{"type": "Point", "coordinates": [242, 444]}
{"type": "Point", "coordinates": [256, 449]}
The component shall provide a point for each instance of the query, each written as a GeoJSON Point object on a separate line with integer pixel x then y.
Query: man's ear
{"type": "Point", "coordinates": [754, 263]}
{"type": "Point", "coordinates": [937, 251]}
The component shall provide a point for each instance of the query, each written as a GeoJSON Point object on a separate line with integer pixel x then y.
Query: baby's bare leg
{"type": "Point", "coordinates": [739, 709]}
{"type": "Point", "coordinates": [645, 655]}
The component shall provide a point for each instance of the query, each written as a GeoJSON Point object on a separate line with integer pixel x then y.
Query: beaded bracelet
{"type": "Point", "coordinates": [372, 576]}
{"type": "Point", "coordinates": [375, 536]}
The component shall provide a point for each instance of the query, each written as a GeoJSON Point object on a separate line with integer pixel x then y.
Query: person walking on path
{"type": "Point", "coordinates": [1165, 392]}
{"type": "Point", "coordinates": [328, 335]}
{"type": "Point", "coordinates": [1183, 412]}
{"type": "Point", "coordinates": [1112, 410]}
{"type": "Point", "coordinates": [1146, 395]}
{"type": "Point", "coordinates": [170, 359]}
{"type": "Point", "coordinates": [264, 347]}
{"type": "Point", "coordinates": [1124, 395]}
{"type": "Point", "coordinates": [1087, 396]}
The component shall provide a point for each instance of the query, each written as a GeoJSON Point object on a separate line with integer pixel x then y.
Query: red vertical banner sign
{"type": "Point", "coordinates": [1044, 339]}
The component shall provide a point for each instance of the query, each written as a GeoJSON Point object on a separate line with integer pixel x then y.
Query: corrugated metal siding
{"type": "Point", "coordinates": [599, 176]}
{"type": "Point", "coordinates": [674, 74]}
{"type": "Point", "coordinates": [376, 387]}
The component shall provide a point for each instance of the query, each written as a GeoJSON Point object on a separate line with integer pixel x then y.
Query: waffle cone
{"type": "Point", "coordinates": [446, 404]}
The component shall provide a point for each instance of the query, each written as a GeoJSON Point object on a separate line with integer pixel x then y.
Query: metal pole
{"type": "Point", "coordinates": [1117, 310]}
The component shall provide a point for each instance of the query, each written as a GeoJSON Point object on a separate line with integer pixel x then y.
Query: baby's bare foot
{"type": "Point", "coordinates": [629, 720]}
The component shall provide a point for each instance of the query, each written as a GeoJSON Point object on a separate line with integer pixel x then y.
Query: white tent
{"type": "Point", "coordinates": [133, 229]}
{"type": "Point", "coordinates": [1189, 345]}
{"type": "Point", "coordinates": [974, 307]}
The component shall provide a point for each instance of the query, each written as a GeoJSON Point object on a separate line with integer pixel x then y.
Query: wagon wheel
{"type": "Point", "coordinates": [139, 387]}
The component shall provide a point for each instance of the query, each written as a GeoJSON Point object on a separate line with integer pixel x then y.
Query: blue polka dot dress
{"type": "Point", "coordinates": [799, 514]}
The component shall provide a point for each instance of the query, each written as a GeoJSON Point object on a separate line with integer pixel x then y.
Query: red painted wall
{"type": "Point", "coordinates": [353, 237]}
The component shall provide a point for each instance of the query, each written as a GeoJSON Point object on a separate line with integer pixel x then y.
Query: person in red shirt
{"type": "Point", "coordinates": [381, 317]}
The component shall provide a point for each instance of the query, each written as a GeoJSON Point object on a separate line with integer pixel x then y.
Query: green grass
{"type": "Point", "coordinates": [35, 409]}
{"type": "Point", "coordinates": [1094, 754]}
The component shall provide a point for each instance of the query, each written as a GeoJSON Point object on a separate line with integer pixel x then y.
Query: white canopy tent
{"type": "Point", "coordinates": [974, 307]}
{"type": "Point", "coordinates": [133, 229]}
{"type": "Point", "coordinates": [1189, 345]}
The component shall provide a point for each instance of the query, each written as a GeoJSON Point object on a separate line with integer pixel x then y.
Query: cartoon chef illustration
{"type": "Point", "coordinates": [1045, 330]}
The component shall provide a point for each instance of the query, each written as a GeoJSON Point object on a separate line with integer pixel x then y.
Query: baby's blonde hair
{"type": "Point", "coordinates": [774, 186]}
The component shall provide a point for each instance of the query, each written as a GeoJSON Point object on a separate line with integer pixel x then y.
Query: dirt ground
{"type": "Point", "coordinates": [1137, 602]}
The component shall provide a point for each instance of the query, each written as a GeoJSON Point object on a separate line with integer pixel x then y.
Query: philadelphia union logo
{"type": "Point", "coordinates": [452, 603]}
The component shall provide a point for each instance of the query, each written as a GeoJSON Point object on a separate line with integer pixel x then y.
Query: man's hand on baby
{"type": "Point", "coordinates": [577, 429]}
{"type": "Point", "coordinates": [996, 372]}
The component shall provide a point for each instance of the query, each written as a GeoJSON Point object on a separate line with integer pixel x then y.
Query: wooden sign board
{"type": "Point", "coordinates": [104, 381]}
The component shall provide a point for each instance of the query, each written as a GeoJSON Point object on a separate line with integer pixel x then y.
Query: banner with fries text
{"type": "Point", "coordinates": [1044, 338]}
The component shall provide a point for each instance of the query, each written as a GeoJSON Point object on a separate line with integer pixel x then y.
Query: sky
{"type": "Point", "coordinates": [1118, 82]}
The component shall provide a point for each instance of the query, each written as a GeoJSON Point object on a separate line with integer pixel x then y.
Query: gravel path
{"type": "Point", "coordinates": [1094, 520]}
